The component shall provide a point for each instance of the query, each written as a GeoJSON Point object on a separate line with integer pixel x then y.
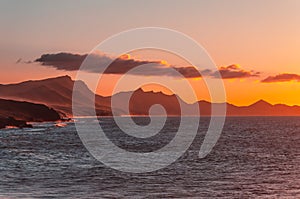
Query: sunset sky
{"type": "Point", "coordinates": [255, 44]}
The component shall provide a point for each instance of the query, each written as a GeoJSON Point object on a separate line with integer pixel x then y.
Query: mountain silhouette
{"type": "Point", "coordinates": [53, 92]}
{"type": "Point", "coordinates": [57, 92]}
{"type": "Point", "coordinates": [27, 111]}
{"type": "Point", "coordinates": [17, 113]}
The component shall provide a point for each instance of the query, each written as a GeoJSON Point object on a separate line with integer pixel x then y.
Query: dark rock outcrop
{"type": "Point", "coordinates": [10, 121]}
{"type": "Point", "coordinates": [16, 112]}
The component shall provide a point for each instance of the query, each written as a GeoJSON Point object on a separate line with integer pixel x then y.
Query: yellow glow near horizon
{"type": "Point", "coordinates": [164, 62]}
{"type": "Point", "coordinates": [125, 56]}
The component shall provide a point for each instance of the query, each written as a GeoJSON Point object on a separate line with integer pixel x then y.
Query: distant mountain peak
{"type": "Point", "coordinates": [261, 103]}
{"type": "Point", "coordinates": [62, 78]}
{"type": "Point", "coordinates": [56, 92]}
{"type": "Point", "coordinates": [139, 90]}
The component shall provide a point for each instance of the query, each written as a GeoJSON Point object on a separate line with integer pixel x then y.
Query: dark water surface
{"type": "Point", "coordinates": [254, 157]}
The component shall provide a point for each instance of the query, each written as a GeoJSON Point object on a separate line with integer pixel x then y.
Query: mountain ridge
{"type": "Point", "coordinates": [57, 92]}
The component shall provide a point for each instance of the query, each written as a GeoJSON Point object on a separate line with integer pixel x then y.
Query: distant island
{"type": "Point", "coordinates": [51, 100]}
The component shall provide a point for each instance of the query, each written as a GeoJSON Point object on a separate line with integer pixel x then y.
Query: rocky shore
{"type": "Point", "coordinates": [17, 114]}
{"type": "Point", "coordinates": [12, 122]}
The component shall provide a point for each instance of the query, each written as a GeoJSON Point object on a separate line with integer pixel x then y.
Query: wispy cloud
{"type": "Point", "coordinates": [20, 60]}
{"type": "Point", "coordinates": [285, 77]}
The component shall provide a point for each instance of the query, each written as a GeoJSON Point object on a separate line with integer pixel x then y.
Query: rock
{"type": "Point", "coordinates": [10, 121]}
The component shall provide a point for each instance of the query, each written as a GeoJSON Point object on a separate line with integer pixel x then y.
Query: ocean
{"type": "Point", "coordinates": [255, 157]}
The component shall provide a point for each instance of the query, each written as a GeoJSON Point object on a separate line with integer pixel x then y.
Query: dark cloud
{"type": "Point", "coordinates": [189, 72]}
{"type": "Point", "coordinates": [285, 77]}
{"type": "Point", "coordinates": [120, 65]}
{"type": "Point", "coordinates": [123, 64]}
{"type": "Point", "coordinates": [206, 72]}
{"type": "Point", "coordinates": [62, 61]}
{"type": "Point", "coordinates": [234, 72]}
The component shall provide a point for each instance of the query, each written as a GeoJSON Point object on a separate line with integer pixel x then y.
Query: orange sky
{"type": "Point", "coordinates": [240, 91]}
{"type": "Point", "coordinates": [258, 35]}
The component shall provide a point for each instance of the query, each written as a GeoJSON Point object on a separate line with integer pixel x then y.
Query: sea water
{"type": "Point", "coordinates": [254, 157]}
